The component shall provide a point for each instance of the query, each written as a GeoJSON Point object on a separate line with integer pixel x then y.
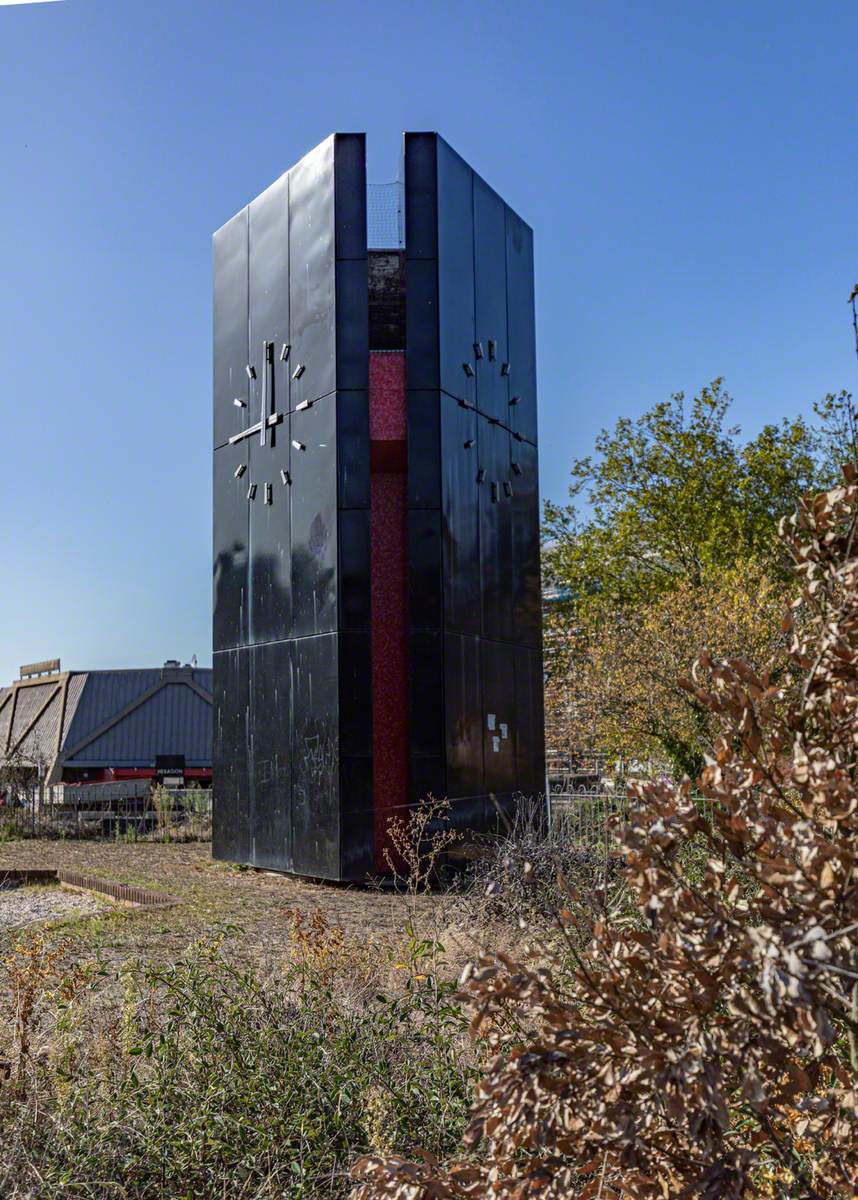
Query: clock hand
{"type": "Point", "coordinates": [269, 422]}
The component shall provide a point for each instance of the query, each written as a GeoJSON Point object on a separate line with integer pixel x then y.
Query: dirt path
{"type": "Point", "coordinates": [252, 909]}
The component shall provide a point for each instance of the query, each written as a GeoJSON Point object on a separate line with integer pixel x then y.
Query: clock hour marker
{"type": "Point", "coordinates": [494, 493]}
{"type": "Point", "coordinates": [284, 352]}
{"type": "Point", "coordinates": [285, 478]}
{"type": "Point", "coordinates": [251, 371]}
{"type": "Point", "coordinates": [268, 494]}
{"type": "Point", "coordinates": [507, 487]}
{"type": "Point", "coordinates": [251, 492]}
{"type": "Point", "coordinates": [481, 475]}
{"type": "Point", "coordinates": [304, 404]}
{"type": "Point", "coordinates": [514, 400]}
{"type": "Point", "coordinates": [299, 371]}
{"type": "Point", "coordinates": [493, 349]}
{"type": "Point", "coordinates": [298, 445]}
{"type": "Point", "coordinates": [239, 403]}
{"type": "Point", "coordinates": [504, 368]}
{"type": "Point", "coordinates": [468, 369]}
{"type": "Point", "coordinates": [469, 443]}
{"type": "Point", "coordinates": [516, 468]}
{"type": "Point", "coordinates": [463, 403]}
{"type": "Point", "coordinates": [478, 349]}
{"type": "Point", "coordinates": [240, 469]}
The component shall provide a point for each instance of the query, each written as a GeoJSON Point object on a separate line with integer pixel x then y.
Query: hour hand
{"type": "Point", "coordinates": [274, 419]}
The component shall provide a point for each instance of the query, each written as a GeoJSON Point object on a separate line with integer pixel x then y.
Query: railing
{"type": "Point", "coordinates": [111, 812]}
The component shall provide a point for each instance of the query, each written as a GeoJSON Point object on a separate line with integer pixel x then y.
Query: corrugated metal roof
{"type": "Point", "coordinates": [105, 694]}
{"type": "Point", "coordinates": [175, 720]}
{"type": "Point", "coordinates": [30, 700]}
{"type": "Point", "coordinates": [73, 695]}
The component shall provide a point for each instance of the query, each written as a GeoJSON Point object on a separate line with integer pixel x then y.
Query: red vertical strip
{"type": "Point", "coordinates": [387, 423]}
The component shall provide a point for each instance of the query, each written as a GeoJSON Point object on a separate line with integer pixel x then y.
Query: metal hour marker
{"type": "Point", "coordinates": [493, 420]}
{"type": "Point", "coordinates": [481, 475]}
{"type": "Point", "coordinates": [478, 349]}
{"type": "Point", "coordinates": [285, 478]}
{"type": "Point", "coordinates": [304, 404]}
{"type": "Point", "coordinates": [299, 371]}
{"type": "Point", "coordinates": [284, 352]}
{"type": "Point", "coordinates": [251, 371]}
{"type": "Point", "coordinates": [494, 493]}
{"type": "Point", "coordinates": [463, 403]}
{"type": "Point", "coordinates": [298, 445]}
{"type": "Point", "coordinates": [239, 403]}
{"type": "Point", "coordinates": [469, 443]}
{"type": "Point", "coordinates": [516, 468]}
{"type": "Point", "coordinates": [514, 400]}
{"type": "Point", "coordinates": [268, 496]}
{"type": "Point", "coordinates": [507, 488]}
{"type": "Point", "coordinates": [468, 369]}
{"type": "Point", "coordinates": [239, 470]}
{"type": "Point", "coordinates": [518, 436]}
{"type": "Point", "coordinates": [504, 368]}
{"type": "Point", "coordinates": [251, 492]}
{"type": "Point", "coordinates": [493, 349]}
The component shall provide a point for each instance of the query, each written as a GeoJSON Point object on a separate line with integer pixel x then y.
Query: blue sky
{"type": "Point", "coordinates": [690, 171]}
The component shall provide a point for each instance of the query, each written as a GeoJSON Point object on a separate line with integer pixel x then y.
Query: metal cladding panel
{"type": "Point", "coordinates": [463, 709]}
{"type": "Point", "coordinates": [496, 561]}
{"type": "Point", "coordinates": [231, 804]}
{"type": "Point", "coordinates": [354, 568]}
{"type": "Point", "coordinates": [521, 324]}
{"type": "Point", "coordinates": [269, 583]}
{"type": "Point", "coordinates": [315, 757]}
{"type": "Point", "coordinates": [357, 842]}
{"type": "Point", "coordinates": [350, 201]}
{"type": "Point", "coordinates": [420, 152]}
{"type": "Point", "coordinates": [426, 687]}
{"type": "Point", "coordinates": [455, 271]}
{"type": "Point", "coordinates": [230, 326]}
{"type": "Point", "coordinates": [270, 767]}
{"type": "Point", "coordinates": [499, 717]}
{"type": "Point", "coordinates": [490, 302]}
{"type": "Point", "coordinates": [425, 601]}
{"type": "Point", "coordinates": [353, 449]}
{"type": "Point", "coordinates": [313, 495]}
{"type": "Point", "coordinates": [421, 323]}
{"type": "Point", "coordinates": [355, 701]}
{"type": "Point", "coordinates": [230, 547]}
{"type": "Point", "coordinates": [525, 575]}
{"type": "Point", "coordinates": [424, 449]}
{"type": "Point", "coordinates": [312, 281]}
{"type": "Point", "coordinates": [461, 457]}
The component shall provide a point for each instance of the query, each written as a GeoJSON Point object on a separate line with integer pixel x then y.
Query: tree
{"type": "Point", "coordinates": [676, 505]}
{"type": "Point", "coordinates": [710, 1047]}
{"type": "Point", "coordinates": [618, 686]}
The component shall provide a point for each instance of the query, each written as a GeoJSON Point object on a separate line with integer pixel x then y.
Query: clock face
{"type": "Point", "coordinates": [267, 425]}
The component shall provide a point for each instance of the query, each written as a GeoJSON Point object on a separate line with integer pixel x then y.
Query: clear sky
{"type": "Point", "coordinates": [690, 171]}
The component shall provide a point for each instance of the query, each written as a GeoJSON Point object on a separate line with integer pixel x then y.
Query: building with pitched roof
{"type": "Point", "coordinates": [77, 727]}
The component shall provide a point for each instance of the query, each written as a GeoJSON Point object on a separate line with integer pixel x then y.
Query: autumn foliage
{"type": "Point", "coordinates": [704, 1042]}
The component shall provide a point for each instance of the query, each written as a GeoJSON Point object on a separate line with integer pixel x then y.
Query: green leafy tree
{"type": "Point", "coordinates": [676, 495]}
{"type": "Point", "coordinates": [673, 524]}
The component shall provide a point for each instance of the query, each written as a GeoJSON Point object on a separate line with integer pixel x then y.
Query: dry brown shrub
{"type": "Point", "coordinates": [710, 1048]}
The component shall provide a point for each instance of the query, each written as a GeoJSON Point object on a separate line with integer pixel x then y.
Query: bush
{"type": "Point", "coordinates": [711, 1047]}
{"type": "Point", "coordinates": [217, 1080]}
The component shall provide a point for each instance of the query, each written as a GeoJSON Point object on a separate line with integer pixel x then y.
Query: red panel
{"type": "Point", "coordinates": [387, 422]}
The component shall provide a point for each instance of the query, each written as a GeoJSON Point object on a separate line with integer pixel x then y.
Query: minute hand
{"type": "Point", "coordinates": [274, 419]}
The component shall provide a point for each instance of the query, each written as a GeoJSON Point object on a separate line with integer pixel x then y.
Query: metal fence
{"type": "Point", "coordinates": [132, 811]}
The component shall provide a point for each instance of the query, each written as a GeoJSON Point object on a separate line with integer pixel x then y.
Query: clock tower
{"type": "Point", "coordinates": [377, 628]}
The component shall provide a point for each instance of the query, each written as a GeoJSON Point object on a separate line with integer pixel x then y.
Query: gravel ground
{"type": "Point", "coordinates": [26, 905]}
